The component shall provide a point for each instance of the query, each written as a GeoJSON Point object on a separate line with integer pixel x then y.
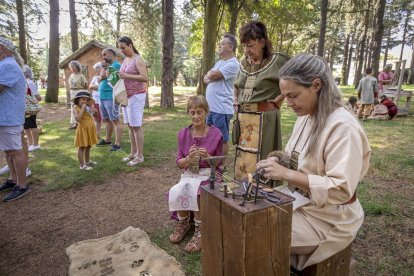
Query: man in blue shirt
{"type": "Point", "coordinates": [109, 110]}
{"type": "Point", "coordinates": [12, 114]}
{"type": "Point", "coordinates": [219, 93]}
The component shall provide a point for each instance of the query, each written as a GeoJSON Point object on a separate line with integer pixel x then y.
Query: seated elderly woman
{"type": "Point", "coordinates": [329, 155]}
{"type": "Point", "coordinates": [195, 142]}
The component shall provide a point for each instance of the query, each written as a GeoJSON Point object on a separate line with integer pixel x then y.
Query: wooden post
{"type": "Point", "coordinates": [244, 240]}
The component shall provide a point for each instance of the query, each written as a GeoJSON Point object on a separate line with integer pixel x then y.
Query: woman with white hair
{"type": "Point", "coordinates": [77, 81]}
{"type": "Point", "coordinates": [30, 125]}
{"type": "Point", "coordinates": [93, 86]}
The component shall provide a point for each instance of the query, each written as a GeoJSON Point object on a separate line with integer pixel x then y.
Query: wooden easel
{"type": "Point", "coordinates": [394, 91]}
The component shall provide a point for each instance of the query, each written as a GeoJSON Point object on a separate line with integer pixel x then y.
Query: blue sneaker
{"type": "Point", "coordinates": [16, 193]}
{"type": "Point", "coordinates": [115, 148]}
{"type": "Point", "coordinates": [9, 184]}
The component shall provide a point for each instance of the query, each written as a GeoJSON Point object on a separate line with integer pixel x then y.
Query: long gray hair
{"type": "Point", "coordinates": [303, 69]}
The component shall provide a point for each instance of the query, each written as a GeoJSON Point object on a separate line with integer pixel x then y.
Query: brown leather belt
{"type": "Point", "coordinates": [257, 107]}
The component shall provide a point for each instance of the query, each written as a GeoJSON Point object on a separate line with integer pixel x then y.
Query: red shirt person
{"type": "Point", "coordinates": [392, 108]}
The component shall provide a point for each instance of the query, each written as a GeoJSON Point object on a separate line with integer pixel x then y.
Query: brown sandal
{"type": "Point", "coordinates": [180, 231]}
{"type": "Point", "coordinates": [194, 245]}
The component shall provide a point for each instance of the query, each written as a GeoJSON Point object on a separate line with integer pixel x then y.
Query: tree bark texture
{"type": "Point", "coordinates": [358, 73]}
{"type": "Point", "coordinates": [73, 26]}
{"type": "Point", "coordinates": [22, 30]}
{"type": "Point", "coordinates": [410, 79]}
{"type": "Point", "coordinates": [378, 34]}
{"type": "Point", "coordinates": [52, 91]}
{"type": "Point", "coordinates": [407, 18]}
{"type": "Point", "coordinates": [387, 46]}
{"type": "Point", "coordinates": [234, 9]}
{"type": "Point", "coordinates": [344, 79]}
{"type": "Point", "coordinates": [351, 50]}
{"type": "Point", "coordinates": [209, 44]}
{"type": "Point", "coordinates": [167, 95]}
{"type": "Point", "coordinates": [118, 19]}
{"type": "Point", "coordinates": [322, 29]}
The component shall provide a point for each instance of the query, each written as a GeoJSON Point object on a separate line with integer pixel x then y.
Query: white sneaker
{"type": "Point", "coordinates": [32, 148]}
{"type": "Point", "coordinates": [28, 172]}
{"type": "Point", "coordinates": [86, 168]}
{"type": "Point", "coordinates": [4, 170]}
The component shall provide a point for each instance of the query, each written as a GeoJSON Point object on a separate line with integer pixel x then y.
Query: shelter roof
{"type": "Point", "coordinates": [82, 50]}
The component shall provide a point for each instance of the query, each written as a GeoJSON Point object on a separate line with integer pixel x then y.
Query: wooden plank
{"type": "Point", "coordinates": [281, 224]}
{"type": "Point", "coordinates": [211, 235]}
{"type": "Point", "coordinates": [258, 246]}
{"type": "Point", "coordinates": [234, 237]}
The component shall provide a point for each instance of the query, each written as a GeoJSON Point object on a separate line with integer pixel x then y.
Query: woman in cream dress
{"type": "Point", "coordinates": [329, 154]}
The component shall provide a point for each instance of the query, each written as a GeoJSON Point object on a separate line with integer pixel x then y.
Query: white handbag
{"type": "Point", "coordinates": [120, 93]}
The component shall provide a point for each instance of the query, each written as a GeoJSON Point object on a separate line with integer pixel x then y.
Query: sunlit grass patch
{"type": "Point", "coordinates": [58, 162]}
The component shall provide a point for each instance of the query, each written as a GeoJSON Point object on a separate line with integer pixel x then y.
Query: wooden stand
{"type": "Point", "coordinates": [245, 240]}
{"type": "Point", "coordinates": [395, 92]}
{"type": "Point", "coordinates": [337, 265]}
{"type": "Point", "coordinates": [395, 95]}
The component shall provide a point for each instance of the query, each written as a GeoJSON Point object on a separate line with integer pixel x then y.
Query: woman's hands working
{"type": "Point", "coordinates": [271, 169]}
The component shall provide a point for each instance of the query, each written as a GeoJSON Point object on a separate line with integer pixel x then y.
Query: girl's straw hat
{"type": "Point", "coordinates": [83, 94]}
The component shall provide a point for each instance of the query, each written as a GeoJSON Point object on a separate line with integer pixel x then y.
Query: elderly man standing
{"type": "Point", "coordinates": [219, 91]}
{"type": "Point", "coordinates": [109, 111]}
{"type": "Point", "coordinates": [12, 112]}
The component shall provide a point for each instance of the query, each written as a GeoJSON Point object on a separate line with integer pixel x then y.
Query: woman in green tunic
{"type": "Point", "coordinates": [257, 98]}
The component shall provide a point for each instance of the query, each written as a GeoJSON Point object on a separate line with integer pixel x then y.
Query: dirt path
{"type": "Point", "coordinates": [35, 230]}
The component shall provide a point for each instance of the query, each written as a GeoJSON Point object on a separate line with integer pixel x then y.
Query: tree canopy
{"type": "Point", "coordinates": [357, 34]}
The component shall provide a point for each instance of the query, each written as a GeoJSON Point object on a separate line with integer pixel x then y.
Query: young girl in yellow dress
{"type": "Point", "coordinates": [85, 135]}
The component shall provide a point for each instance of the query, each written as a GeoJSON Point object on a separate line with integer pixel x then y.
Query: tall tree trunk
{"type": "Point", "coordinates": [344, 80]}
{"type": "Point", "coordinates": [410, 79]}
{"type": "Point", "coordinates": [369, 49]}
{"type": "Point", "coordinates": [367, 53]}
{"type": "Point", "coordinates": [351, 49]}
{"type": "Point", "coordinates": [322, 29]}
{"type": "Point", "coordinates": [387, 46]}
{"type": "Point", "coordinates": [52, 91]}
{"type": "Point", "coordinates": [22, 30]}
{"type": "Point", "coordinates": [407, 18]}
{"type": "Point", "coordinates": [210, 36]}
{"type": "Point", "coordinates": [378, 34]}
{"type": "Point", "coordinates": [234, 7]}
{"type": "Point", "coordinates": [118, 19]}
{"type": "Point", "coordinates": [73, 26]}
{"type": "Point", "coordinates": [331, 57]}
{"type": "Point", "coordinates": [167, 95]}
{"type": "Point", "coordinates": [358, 73]}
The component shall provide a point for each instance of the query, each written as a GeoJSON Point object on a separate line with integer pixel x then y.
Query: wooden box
{"type": "Point", "coordinates": [245, 240]}
{"type": "Point", "coordinates": [337, 265]}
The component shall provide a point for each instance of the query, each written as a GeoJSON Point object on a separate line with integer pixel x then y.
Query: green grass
{"type": "Point", "coordinates": [59, 155]}
{"type": "Point", "coordinates": [386, 193]}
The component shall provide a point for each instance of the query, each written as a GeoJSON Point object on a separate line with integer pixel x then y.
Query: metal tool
{"type": "Point", "coordinates": [213, 161]}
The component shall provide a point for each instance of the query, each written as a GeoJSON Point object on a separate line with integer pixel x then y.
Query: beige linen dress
{"type": "Point", "coordinates": [341, 161]}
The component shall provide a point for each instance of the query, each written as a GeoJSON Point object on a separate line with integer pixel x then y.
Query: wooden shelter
{"type": "Point", "coordinates": [87, 56]}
